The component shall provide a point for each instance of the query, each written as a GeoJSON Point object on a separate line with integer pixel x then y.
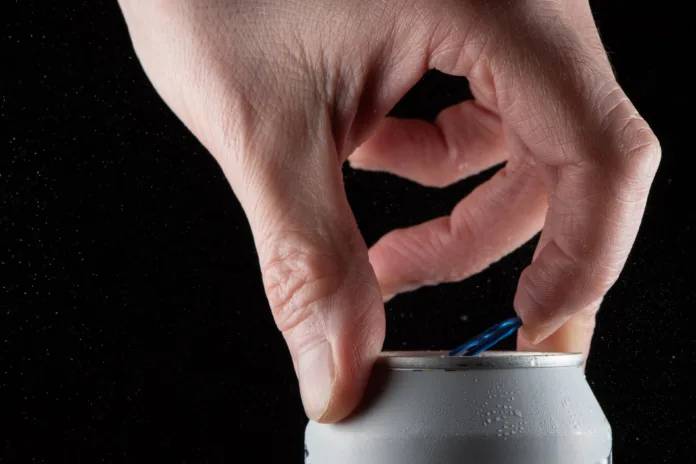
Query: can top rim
{"type": "Point", "coordinates": [439, 360]}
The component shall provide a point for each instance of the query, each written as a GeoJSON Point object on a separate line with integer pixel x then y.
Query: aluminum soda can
{"type": "Point", "coordinates": [495, 408]}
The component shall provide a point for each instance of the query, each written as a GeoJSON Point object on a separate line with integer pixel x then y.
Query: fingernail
{"type": "Point", "coordinates": [317, 375]}
{"type": "Point", "coordinates": [530, 335]}
{"type": "Point", "coordinates": [538, 333]}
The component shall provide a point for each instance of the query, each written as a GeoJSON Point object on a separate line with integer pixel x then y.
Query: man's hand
{"type": "Point", "coordinates": [283, 92]}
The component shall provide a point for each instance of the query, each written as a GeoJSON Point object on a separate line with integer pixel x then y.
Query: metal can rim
{"type": "Point", "coordinates": [439, 360]}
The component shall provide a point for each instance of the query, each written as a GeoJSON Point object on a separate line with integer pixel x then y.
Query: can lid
{"type": "Point", "coordinates": [439, 360]}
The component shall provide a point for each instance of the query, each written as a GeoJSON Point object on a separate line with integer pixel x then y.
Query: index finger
{"type": "Point", "coordinates": [598, 157]}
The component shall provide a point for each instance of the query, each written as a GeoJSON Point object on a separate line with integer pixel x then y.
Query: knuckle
{"type": "Point", "coordinates": [640, 153]}
{"type": "Point", "coordinates": [297, 279]}
{"type": "Point", "coordinates": [635, 152]}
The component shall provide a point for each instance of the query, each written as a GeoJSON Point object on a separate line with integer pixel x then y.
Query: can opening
{"type": "Point", "coordinates": [440, 360]}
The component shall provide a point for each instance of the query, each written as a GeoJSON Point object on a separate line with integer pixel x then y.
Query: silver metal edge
{"type": "Point", "coordinates": [439, 360]}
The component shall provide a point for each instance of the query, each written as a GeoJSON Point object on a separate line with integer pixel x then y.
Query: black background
{"type": "Point", "coordinates": [133, 326]}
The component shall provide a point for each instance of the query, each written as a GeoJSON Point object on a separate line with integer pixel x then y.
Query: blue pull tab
{"type": "Point", "coordinates": [487, 339]}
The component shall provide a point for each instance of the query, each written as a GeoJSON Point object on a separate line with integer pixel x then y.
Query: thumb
{"type": "Point", "coordinates": [322, 291]}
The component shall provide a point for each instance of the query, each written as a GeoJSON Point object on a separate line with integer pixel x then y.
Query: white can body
{"type": "Point", "coordinates": [495, 408]}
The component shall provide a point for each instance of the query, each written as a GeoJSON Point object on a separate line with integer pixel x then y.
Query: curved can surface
{"type": "Point", "coordinates": [495, 408]}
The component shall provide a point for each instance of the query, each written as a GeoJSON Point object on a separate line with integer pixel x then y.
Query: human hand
{"type": "Point", "coordinates": [283, 92]}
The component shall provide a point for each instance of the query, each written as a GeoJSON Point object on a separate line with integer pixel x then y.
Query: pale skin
{"type": "Point", "coordinates": [283, 92]}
